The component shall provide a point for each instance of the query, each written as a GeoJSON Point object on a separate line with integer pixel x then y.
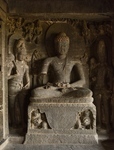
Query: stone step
{"type": "Point", "coordinates": [52, 147]}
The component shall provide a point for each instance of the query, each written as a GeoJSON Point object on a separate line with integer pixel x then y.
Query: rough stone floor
{"type": "Point", "coordinates": [52, 147]}
{"type": "Point", "coordinates": [105, 143]}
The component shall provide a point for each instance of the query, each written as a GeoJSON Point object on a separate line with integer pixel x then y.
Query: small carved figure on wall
{"type": "Point", "coordinates": [19, 23]}
{"type": "Point", "coordinates": [11, 25]}
{"type": "Point", "coordinates": [87, 119]}
{"type": "Point", "coordinates": [36, 120]}
{"type": "Point", "coordinates": [37, 32]}
{"type": "Point", "coordinates": [86, 33]}
{"type": "Point", "coordinates": [84, 120]}
{"type": "Point", "coordinates": [18, 83]}
{"type": "Point", "coordinates": [89, 33]}
{"type": "Point", "coordinates": [29, 32]}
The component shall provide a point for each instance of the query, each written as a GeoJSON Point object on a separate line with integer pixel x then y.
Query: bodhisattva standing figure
{"type": "Point", "coordinates": [18, 83]}
{"type": "Point", "coordinates": [102, 88]}
{"type": "Point", "coordinates": [61, 67]}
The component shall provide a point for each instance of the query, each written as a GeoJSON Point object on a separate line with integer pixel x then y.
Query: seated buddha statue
{"type": "Point", "coordinates": [61, 67]}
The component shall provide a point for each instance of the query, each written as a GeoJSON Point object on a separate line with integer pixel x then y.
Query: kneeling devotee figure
{"type": "Point", "coordinates": [61, 68]}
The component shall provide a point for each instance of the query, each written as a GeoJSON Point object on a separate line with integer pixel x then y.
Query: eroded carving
{"type": "Point", "coordinates": [18, 82]}
{"type": "Point", "coordinates": [37, 120]}
{"type": "Point", "coordinates": [84, 120]}
{"type": "Point", "coordinates": [101, 83]}
{"type": "Point", "coordinates": [61, 92]}
{"type": "Point", "coordinates": [91, 31]}
{"type": "Point", "coordinates": [37, 32]}
{"type": "Point", "coordinates": [33, 31]}
{"type": "Point", "coordinates": [19, 23]}
{"type": "Point", "coordinates": [14, 24]}
{"type": "Point", "coordinates": [60, 68]}
{"type": "Point", "coordinates": [29, 31]}
{"type": "Point", "coordinates": [11, 25]}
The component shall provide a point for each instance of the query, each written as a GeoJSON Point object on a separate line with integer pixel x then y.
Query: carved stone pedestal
{"type": "Point", "coordinates": [61, 121]}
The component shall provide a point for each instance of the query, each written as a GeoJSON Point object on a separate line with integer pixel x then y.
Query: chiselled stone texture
{"type": "Point", "coordinates": [1, 110]}
{"type": "Point", "coordinates": [11, 146]}
{"type": "Point", "coordinates": [59, 6]}
{"type": "Point", "coordinates": [62, 119]}
{"type": "Point", "coordinates": [61, 112]}
{"type": "Point", "coordinates": [1, 99]}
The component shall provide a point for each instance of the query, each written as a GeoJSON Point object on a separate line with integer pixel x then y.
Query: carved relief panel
{"type": "Point", "coordinates": [84, 120]}
{"type": "Point", "coordinates": [38, 120]}
{"type": "Point", "coordinates": [33, 38]}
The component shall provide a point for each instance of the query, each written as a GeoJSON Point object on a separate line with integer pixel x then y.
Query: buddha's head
{"type": "Point", "coordinates": [62, 43]}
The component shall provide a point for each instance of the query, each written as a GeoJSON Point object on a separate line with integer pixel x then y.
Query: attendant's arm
{"type": "Point", "coordinates": [27, 78]}
{"type": "Point", "coordinates": [10, 67]}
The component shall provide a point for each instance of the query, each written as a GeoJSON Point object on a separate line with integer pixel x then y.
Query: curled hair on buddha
{"type": "Point", "coordinates": [62, 37]}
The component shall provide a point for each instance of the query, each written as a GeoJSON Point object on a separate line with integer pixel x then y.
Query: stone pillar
{"type": "Point", "coordinates": [112, 102]}
{"type": "Point", "coordinates": [1, 102]}
{"type": "Point", "coordinates": [3, 85]}
{"type": "Point", "coordinates": [113, 42]}
{"type": "Point", "coordinates": [3, 96]}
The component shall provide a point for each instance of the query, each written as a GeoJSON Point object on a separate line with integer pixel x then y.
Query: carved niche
{"type": "Point", "coordinates": [38, 36]}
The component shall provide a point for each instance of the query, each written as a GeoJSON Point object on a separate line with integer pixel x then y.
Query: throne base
{"type": "Point", "coordinates": [61, 117]}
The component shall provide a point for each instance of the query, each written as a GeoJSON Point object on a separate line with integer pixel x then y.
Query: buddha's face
{"type": "Point", "coordinates": [62, 47]}
{"type": "Point", "coordinates": [62, 44]}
